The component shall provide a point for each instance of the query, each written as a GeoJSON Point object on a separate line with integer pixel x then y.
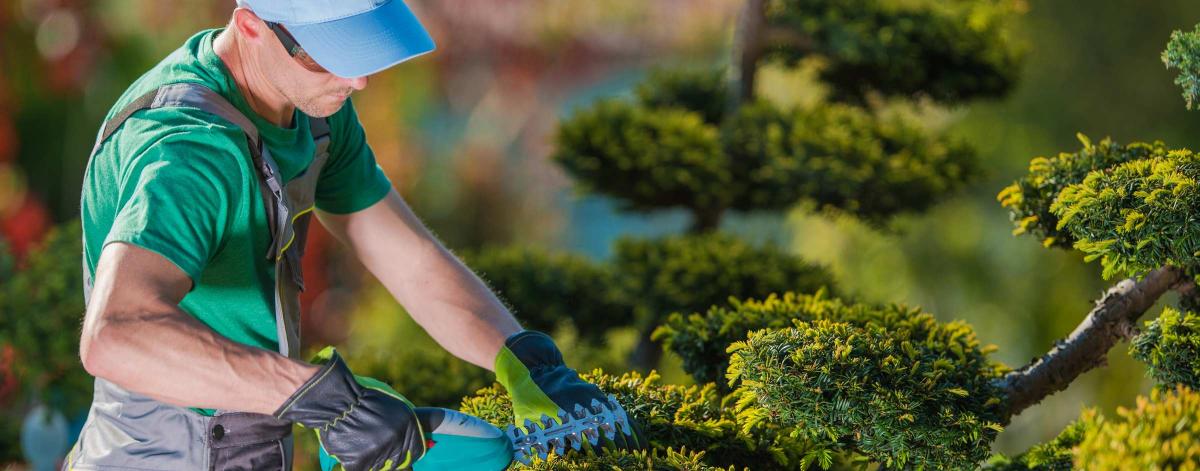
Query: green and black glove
{"type": "Point", "coordinates": [361, 422]}
{"type": "Point", "coordinates": [531, 368]}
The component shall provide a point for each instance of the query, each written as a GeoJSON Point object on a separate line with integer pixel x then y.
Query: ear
{"type": "Point", "coordinates": [248, 24]}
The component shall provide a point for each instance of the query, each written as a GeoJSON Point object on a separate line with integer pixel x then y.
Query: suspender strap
{"type": "Point", "coordinates": [186, 94]}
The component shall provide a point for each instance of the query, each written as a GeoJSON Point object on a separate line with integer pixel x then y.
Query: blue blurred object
{"type": "Point", "coordinates": [44, 438]}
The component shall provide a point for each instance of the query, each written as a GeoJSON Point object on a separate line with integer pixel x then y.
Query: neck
{"type": "Point", "coordinates": [251, 80]}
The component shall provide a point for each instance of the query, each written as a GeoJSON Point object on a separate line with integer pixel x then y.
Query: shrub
{"type": "Point", "coordinates": [901, 398]}
{"type": "Point", "coordinates": [1170, 347]}
{"type": "Point", "coordinates": [42, 306]}
{"type": "Point", "coordinates": [647, 158]}
{"type": "Point", "coordinates": [701, 91]}
{"type": "Point", "coordinates": [1137, 216]}
{"type": "Point", "coordinates": [1162, 432]}
{"type": "Point", "coordinates": [674, 416]}
{"type": "Point", "coordinates": [544, 289]}
{"type": "Point", "coordinates": [1055, 455]}
{"type": "Point", "coordinates": [840, 157]}
{"type": "Point", "coordinates": [948, 51]}
{"type": "Point", "coordinates": [1182, 52]}
{"type": "Point", "coordinates": [1028, 199]}
{"type": "Point", "coordinates": [691, 273]}
{"type": "Point", "coordinates": [701, 340]}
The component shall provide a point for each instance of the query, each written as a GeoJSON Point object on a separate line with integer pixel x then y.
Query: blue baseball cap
{"type": "Point", "coordinates": [350, 38]}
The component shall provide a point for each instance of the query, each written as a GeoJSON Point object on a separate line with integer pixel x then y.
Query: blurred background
{"type": "Point", "coordinates": [465, 134]}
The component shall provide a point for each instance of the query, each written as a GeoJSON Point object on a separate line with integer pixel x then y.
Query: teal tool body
{"type": "Point", "coordinates": [457, 441]}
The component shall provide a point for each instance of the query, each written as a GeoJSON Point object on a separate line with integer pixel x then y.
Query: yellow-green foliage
{"type": "Point", "coordinates": [648, 158]}
{"type": "Point", "coordinates": [703, 91]}
{"type": "Point", "coordinates": [693, 417]}
{"type": "Point", "coordinates": [1028, 199]}
{"type": "Point", "coordinates": [1162, 432]}
{"type": "Point", "coordinates": [691, 273]}
{"type": "Point", "coordinates": [545, 289]}
{"type": "Point", "coordinates": [701, 340]}
{"type": "Point", "coordinates": [904, 398]}
{"type": "Point", "coordinates": [1170, 347]}
{"type": "Point", "coordinates": [1183, 53]}
{"type": "Point", "coordinates": [650, 460]}
{"type": "Point", "coordinates": [1055, 455]}
{"type": "Point", "coordinates": [1136, 216]}
{"type": "Point", "coordinates": [41, 307]}
{"type": "Point", "coordinates": [840, 157]}
{"type": "Point", "coordinates": [946, 50]}
{"type": "Point", "coordinates": [428, 376]}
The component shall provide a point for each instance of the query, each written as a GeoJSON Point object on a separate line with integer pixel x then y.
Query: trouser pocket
{"type": "Point", "coordinates": [244, 441]}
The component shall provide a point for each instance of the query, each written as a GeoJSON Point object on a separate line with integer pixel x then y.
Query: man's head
{"type": "Point", "coordinates": [317, 52]}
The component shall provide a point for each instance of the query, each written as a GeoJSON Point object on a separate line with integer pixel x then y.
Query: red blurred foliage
{"type": "Point", "coordinates": [8, 374]}
{"type": "Point", "coordinates": [26, 226]}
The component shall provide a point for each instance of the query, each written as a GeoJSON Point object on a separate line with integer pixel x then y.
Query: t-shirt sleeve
{"type": "Point", "coordinates": [350, 180]}
{"type": "Point", "coordinates": [179, 197]}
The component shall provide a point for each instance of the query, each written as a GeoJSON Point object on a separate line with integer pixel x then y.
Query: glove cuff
{"type": "Point", "coordinates": [534, 349]}
{"type": "Point", "coordinates": [326, 396]}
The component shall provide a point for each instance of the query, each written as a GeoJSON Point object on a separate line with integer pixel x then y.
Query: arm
{"type": "Point", "coordinates": [135, 335]}
{"type": "Point", "coordinates": [437, 290]}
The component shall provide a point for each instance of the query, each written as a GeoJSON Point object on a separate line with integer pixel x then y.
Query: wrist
{"type": "Point", "coordinates": [326, 394]}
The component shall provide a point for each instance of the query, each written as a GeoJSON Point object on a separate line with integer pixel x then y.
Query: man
{"type": "Point", "coordinates": [195, 204]}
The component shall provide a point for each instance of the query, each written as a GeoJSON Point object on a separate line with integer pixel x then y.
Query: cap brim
{"type": "Point", "coordinates": [365, 43]}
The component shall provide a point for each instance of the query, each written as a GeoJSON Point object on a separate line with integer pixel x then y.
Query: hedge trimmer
{"type": "Point", "coordinates": [584, 424]}
{"type": "Point", "coordinates": [460, 441]}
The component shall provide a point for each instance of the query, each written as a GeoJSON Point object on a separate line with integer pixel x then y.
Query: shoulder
{"type": "Point", "coordinates": [180, 146]}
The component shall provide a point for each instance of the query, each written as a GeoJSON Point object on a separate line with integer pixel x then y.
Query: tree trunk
{"type": "Point", "coordinates": [747, 50]}
{"type": "Point", "coordinates": [705, 220]}
{"type": "Point", "coordinates": [1111, 321]}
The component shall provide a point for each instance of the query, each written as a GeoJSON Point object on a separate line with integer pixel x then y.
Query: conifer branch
{"type": "Point", "coordinates": [1111, 321]}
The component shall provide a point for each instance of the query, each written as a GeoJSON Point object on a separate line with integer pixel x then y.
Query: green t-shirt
{"type": "Point", "coordinates": [179, 182]}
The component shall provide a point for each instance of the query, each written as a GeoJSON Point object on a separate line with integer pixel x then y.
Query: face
{"type": "Point", "coordinates": [313, 90]}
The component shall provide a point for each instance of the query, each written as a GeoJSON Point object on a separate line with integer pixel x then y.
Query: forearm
{"type": "Point", "coordinates": [168, 355]}
{"type": "Point", "coordinates": [456, 308]}
{"type": "Point", "coordinates": [452, 304]}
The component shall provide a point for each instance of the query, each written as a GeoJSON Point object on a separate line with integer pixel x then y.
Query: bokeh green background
{"type": "Point", "coordinates": [465, 134]}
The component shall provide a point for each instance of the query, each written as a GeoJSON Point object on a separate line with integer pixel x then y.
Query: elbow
{"type": "Point", "coordinates": [96, 349]}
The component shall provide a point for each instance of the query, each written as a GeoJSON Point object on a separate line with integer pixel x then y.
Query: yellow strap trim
{"type": "Point", "coordinates": [293, 238]}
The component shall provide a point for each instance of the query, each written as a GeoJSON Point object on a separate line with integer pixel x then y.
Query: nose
{"type": "Point", "coordinates": [357, 83]}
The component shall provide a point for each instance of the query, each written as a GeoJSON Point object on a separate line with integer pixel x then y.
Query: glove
{"type": "Point", "coordinates": [455, 442]}
{"type": "Point", "coordinates": [531, 369]}
{"type": "Point", "coordinates": [361, 422]}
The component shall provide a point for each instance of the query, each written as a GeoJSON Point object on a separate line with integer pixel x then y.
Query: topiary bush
{"type": "Point", "coordinates": [646, 157]}
{"type": "Point", "coordinates": [693, 417]}
{"type": "Point", "coordinates": [1029, 198]}
{"type": "Point", "coordinates": [1170, 348]}
{"type": "Point", "coordinates": [840, 157]}
{"type": "Point", "coordinates": [1160, 432]}
{"type": "Point", "coordinates": [692, 272]}
{"type": "Point", "coordinates": [1183, 53]}
{"type": "Point", "coordinates": [702, 340]}
{"type": "Point", "coordinates": [947, 51]}
{"type": "Point", "coordinates": [1137, 216]}
{"type": "Point", "coordinates": [1055, 455]}
{"type": "Point", "coordinates": [900, 397]}
{"type": "Point", "coordinates": [544, 289]}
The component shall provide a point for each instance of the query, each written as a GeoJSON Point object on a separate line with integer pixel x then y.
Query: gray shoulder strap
{"type": "Point", "coordinates": [186, 94]}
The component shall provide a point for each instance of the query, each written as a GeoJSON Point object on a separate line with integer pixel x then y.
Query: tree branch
{"type": "Point", "coordinates": [1111, 321]}
{"type": "Point", "coordinates": [747, 50]}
